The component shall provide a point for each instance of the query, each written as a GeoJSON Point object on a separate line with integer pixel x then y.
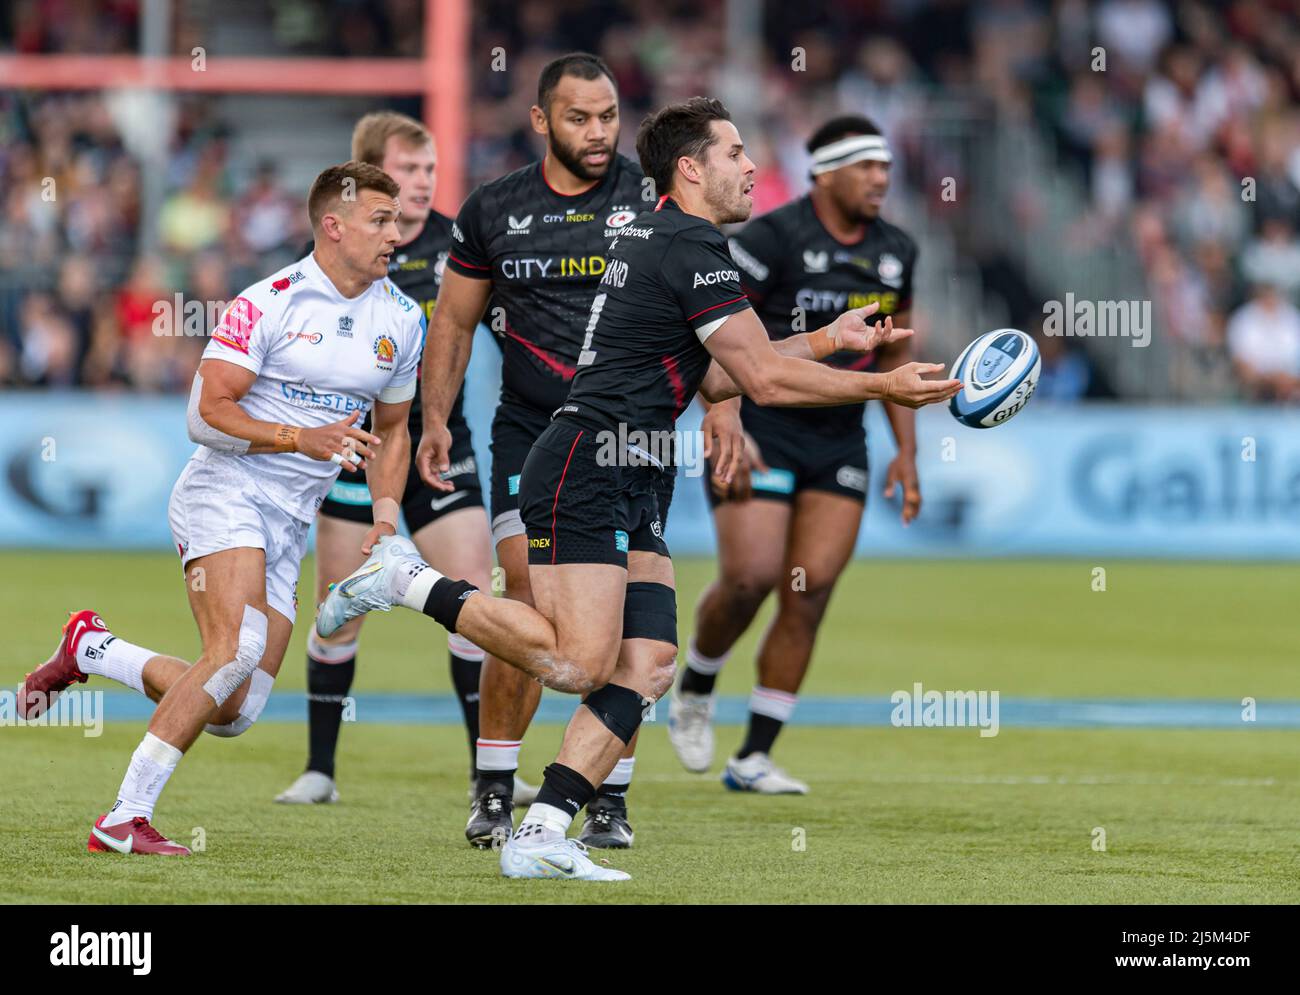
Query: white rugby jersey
{"type": "Point", "coordinates": [318, 357]}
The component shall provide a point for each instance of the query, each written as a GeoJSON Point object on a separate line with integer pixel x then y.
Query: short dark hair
{"type": "Point", "coordinates": [583, 65]}
{"type": "Point", "coordinates": [841, 127]}
{"type": "Point", "coordinates": [684, 129]}
{"type": "Point", "coordinates": [329, 187]}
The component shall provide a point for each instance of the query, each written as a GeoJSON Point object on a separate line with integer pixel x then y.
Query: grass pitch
{"type": "Point", "coordinates": [895, 815]}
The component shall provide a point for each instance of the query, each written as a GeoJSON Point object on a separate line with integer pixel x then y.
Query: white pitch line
{"type": "Point", "coordinates": [1015, 779]}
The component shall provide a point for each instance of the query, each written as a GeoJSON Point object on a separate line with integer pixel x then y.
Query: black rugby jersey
{"type": "Point", "coordinates": [544, 252]}
{"type": "Point", "coordinates": [670, 277]}
{"type": "Point", "coordinates": [416, 268]}
{"type": "Point", "coordinates": [788, 260]}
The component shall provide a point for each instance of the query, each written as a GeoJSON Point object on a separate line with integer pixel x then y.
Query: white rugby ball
{"type": "Point", "coordinates": [999, 372]}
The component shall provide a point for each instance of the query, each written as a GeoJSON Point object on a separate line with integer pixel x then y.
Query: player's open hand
{"type": "Point", "coordinates": [851, 331]}
{"type": "Point", "coordinates": [741, 487]}
{"type": "Point", "coordinates": [902, 472]}
{"type": "Point", "coordinates": [433, 456]}
{"type": "Point", "coordinates": [724, 440]}
{"type": "Point", "coordinates": [339, 442]}
{"type": "Point", "coordinates": [904, 385]}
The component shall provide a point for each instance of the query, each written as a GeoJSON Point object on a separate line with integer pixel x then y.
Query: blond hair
{"type": "Point", "coordinates": [370, 136]}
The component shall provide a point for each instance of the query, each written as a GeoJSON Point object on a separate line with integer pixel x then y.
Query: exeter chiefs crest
{"type": "Point", "coordinates": [385, 352]}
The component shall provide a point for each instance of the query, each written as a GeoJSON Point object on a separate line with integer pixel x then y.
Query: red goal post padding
{"type": "Point", "coordinates": [440, 77]}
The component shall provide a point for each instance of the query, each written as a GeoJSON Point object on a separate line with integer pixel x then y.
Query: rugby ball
{"type": "Point", "coordinates": [999, 372]}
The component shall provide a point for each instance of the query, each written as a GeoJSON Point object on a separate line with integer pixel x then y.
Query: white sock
{"type": "Point", "coordinates": [774, 704]}
{"type": "Point", "coordinates": [146, 775]}
{"type": "Point", "coordinates": [463, 648]}
{"type": "Point", "coordinates": [549, 822]}
{"type": "Point", "coordinates": [110, 656]}
{"type": "Point", "coordinates": [323, 652]}
{"type": "Point", "coordinates": [622, 773]}
{"type": "Point", "coordinates": [701, 664]}
{"type": "Point", "coordinates": [497, 754]}
{"type": "Point", "coordinates": [412, 584]}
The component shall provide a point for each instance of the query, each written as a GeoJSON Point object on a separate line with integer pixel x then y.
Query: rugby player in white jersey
{"type": "Point", "coordinates": [296, 363]}
{"type": "Point", "coordinates": [450, 530]}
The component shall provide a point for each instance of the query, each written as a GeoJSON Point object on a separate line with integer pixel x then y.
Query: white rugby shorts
{"type": "Point", "coordinates": [215, 505]}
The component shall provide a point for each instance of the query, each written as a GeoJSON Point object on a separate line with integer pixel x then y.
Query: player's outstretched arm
{"type": "Point", "coordinates": [447, 346]}
{"type": "Point", "coordinates": [217, 421]}
{"type": "Point", "coordinates": [849, 331]}
{"type": "Point", "coordinates": [772, 378]}
{"type": "Point", "coordinates": [386, 472]}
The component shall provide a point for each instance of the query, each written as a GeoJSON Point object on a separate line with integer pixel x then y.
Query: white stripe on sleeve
{"type": "Point", "coordinates": [704, 331]}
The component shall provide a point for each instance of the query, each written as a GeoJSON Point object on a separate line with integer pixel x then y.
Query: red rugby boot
{"type": "Point", "coordinates": [136, 836]}
{"type": "Point", "coordinates": [44, 684]}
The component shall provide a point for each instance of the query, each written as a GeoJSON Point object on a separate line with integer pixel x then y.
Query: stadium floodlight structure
{"type": "Point", "coordinates": [440, 77]}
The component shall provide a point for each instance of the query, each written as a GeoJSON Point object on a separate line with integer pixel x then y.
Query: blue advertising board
{"type": "Point", "coordinates": [95, 470]}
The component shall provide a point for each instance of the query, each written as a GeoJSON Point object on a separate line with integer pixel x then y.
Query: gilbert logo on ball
{"type": "Point", "coordinates": [999, 372]}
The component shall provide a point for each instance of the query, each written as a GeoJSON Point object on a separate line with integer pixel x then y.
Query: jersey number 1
{"type": "Point", "coordinates": [588, 354]}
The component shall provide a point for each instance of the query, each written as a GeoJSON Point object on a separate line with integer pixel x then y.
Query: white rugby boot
{"type": "Point", "coordinates": [690, 727]}
{"type": "Point", "coordinates": [536, 853]}
{"type": "Point", "coordinates": [368, 588]}
{"type": "Point", "coordinates": [311, 788]}
{"type": "Point", "coordinates": [757, 773]}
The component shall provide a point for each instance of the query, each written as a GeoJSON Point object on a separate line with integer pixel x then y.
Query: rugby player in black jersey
{"type": "Point", "coordinates": [798, 514]}
{"type": "Point", "coordinates": [670, 319]}
{"type": "Point", "coordinates": [527, 254]}
{"type": "Point", "coordinates": [451, 530]}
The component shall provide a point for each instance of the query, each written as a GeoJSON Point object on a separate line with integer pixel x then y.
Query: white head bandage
{"type": "Point", "coordinates": [845, 152]}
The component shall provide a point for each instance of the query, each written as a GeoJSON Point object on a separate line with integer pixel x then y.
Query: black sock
{"type": "Point", "coordinates": [697, 683]}
{"type": "Point", "coordinates": [616, 791]}
{"type": "Point", "coordinates": [564, 788]}
{"type": "Point", "coordinates": [484, 776]}
{"type": "Point", "coordinates": [327, 685]}
{"type": "Point", "coordinates": [762, 734]}
{"type": "Point", "coordinates": [464, 678]}
{"type": "Point", "coordinates": [506, 777]}
{"type": "Point", "coordinates": [445, 600]}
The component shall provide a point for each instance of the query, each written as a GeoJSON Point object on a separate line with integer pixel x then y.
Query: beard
{"type": "Point", "coordinates": [864, 215]}
{"type": "Point", "coordinates": [571, 159]}
{"type": "Point", "coordinates": [854, 209]}
{"type": "Point", "coordinates": [725, 201]}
